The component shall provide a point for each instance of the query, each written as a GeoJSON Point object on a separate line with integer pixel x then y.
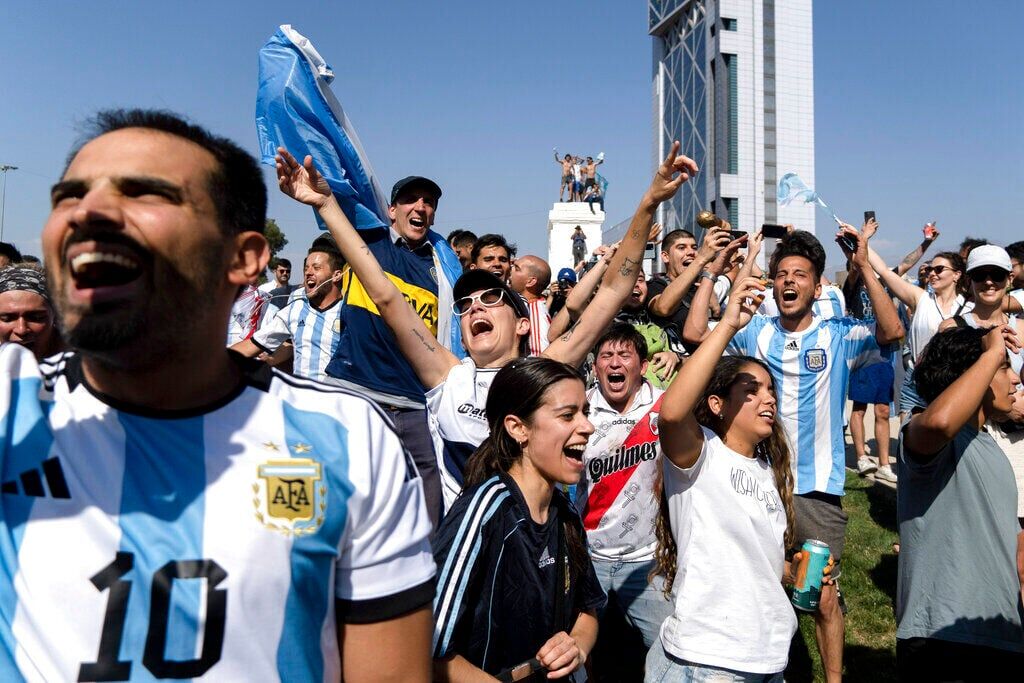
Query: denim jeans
{"type": "Point", "coordinates": [643, 603]}
{"type": "Point", "coordinates": [661, 666]}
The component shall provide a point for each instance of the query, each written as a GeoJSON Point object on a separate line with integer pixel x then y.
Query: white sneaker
{"type": "Point", "coordinates": [885, 473]}
{"type": "Point", "coordinates": [865, 466]}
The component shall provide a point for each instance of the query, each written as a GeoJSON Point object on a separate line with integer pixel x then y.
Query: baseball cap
{"type": "Point", "coordinates": [989, 255]}
{"type": "Point", "coordinates": [412, 181]}
{"type": "Point", "coordinates": [476, 280]}
{"type": "Point", "coordinates": [567, 274]}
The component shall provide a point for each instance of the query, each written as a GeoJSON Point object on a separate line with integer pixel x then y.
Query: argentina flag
{"type": "Point", "coordinates": [792, 188]}
{"type": "Point", "coordinates": [296, 109]}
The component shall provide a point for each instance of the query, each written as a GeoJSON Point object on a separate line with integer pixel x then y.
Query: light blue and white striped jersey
{"type": "Point", "coordinates": [811, 371]}
{"type": "Point", "coordinates": [218, 544]}
{"type": "Point", "coordinates": [313, 332]}
{"type": "Point", "coordinates": [831, 304]}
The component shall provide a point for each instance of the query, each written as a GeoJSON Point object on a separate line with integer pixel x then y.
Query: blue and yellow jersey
{"type": "Point", "coordinates": [367, 353]}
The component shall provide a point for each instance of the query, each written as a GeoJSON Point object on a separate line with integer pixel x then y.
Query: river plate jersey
{"type": "Point", "coordinates": [616, 495]}
{"type": "Point", "coordinates": [219, 544]}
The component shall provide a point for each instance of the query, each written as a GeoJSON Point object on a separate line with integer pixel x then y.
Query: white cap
{"type": "Point", "coordinates": [989, 255]}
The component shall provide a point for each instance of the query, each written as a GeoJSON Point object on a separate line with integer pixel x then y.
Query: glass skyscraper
{"type": "Point", "coordinates": [733, 80]}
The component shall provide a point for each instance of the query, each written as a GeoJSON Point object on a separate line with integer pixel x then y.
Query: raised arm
{"type": "Point", "coordinates": [906, 292]}
{"type": "Point", "coordinates": [695, 328]}
{"type": "Point", "coordinates": [429, 359]}
{"type": "Point", "coordinates": [620, 278]}
{"type": "Point", "coordinates": [680, 434]}
{"type": "Point", "coordinates": [888, 327]}
{"type": "Point", "coordinates": [667, 303]}
{"type": "Point", "coordinates": [928, 432]}
{"type": "Point", "coordinates": [577, 299]}
{"type": "Point", "coordinates": [911, 259]}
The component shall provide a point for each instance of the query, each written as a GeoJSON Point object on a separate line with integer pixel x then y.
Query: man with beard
{"type": "Point", "coordinates": [26, 314]}
{"type": "Point", "coordinates": [669, 294]}
{"type": "Point", "coordinates": [617, 496]}
{"type": "Point", "coordinates": [810, 359]}
{"type": "Point", "coordinates": [312, 323]}
{"type": "Point", "coordinates": [170, 509]}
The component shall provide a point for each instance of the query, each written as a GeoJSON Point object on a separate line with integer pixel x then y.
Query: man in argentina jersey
{"type": "Point", "coordinates": [616, 496]}
{"type": "Point", "coordinates": [312, 323]}
{"type": "Point", "coordinates": [810, 360]}
{"type": "Point", "coordinates": [169, 509]}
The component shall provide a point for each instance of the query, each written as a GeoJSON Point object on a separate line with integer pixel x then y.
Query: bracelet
{"type": "Point", "coordinates": [707, 275]}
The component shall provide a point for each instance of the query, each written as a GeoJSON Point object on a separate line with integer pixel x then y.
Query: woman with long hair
{"type": "Point", "coordinates": [517, 594]}
{"type": "Point", "coordinates": [728, 500]}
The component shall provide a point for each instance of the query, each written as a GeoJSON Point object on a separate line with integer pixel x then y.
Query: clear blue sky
{"type": "Point", "coordinates": [919, 105]}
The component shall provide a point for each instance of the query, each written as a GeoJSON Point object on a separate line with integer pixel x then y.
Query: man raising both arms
{"type": "Point", "coordinates": [170, 509]}
{"type": "Point", "coordinates": [494, 319]}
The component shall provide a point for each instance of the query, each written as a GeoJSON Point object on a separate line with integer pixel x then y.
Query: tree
{"type": "Point", "coordinates": [276, 240]}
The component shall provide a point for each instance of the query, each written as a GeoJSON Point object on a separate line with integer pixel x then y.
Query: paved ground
{"type": "Point", "coordinates": [869, 431]}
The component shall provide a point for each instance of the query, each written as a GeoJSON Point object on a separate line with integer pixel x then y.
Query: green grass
{"type": "Point", "coordinates": [868, 584]}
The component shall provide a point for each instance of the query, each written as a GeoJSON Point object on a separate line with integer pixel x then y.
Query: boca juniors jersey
{"type": "Point", "coordinates": [217, 544]}
{"type": "Point", "coordinates": [616, 496]}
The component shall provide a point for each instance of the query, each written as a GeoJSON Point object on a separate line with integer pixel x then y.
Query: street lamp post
{"type": "Point", "coordinates": [3, 196]}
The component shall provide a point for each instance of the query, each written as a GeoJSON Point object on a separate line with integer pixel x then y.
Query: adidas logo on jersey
{"type": "Point", "coordinates": [32, 482]}
{"type": "Point", "coordinates": [545, 559]}
{"type": "Point", "coordinates": [791, 345]}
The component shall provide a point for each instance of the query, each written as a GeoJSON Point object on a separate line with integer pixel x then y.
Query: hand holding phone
{"type": "Point", "coordinates": [773, 230]}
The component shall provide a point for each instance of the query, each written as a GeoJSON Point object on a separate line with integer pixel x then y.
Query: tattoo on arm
{"type": "Point", "coordinates": [423, 340]}
{"type": "Point", "coordinates": [568, 333]}
{"type": "Point", "coordinates": [628, 267]}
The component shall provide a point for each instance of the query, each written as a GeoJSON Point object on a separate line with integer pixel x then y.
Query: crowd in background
{"type": "Point", "coordinates": [555, 452]}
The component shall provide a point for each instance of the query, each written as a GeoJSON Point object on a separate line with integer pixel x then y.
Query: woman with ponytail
{"type": "Point", "coordinates": [727, 514]}
{"type": "Point", "coordinates": [517, 594]}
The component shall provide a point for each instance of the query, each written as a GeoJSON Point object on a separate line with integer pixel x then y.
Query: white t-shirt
{"type": "Point", "coordinates": [458, 421]}
{"type": "Point", "coordinates": [616, 494]}
{"type": "Point", "coordinates": [927, 318]}
{"type": "Point", "coordinates": [731, 609]}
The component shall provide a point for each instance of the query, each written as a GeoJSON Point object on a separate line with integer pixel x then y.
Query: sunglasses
{"type": "Point", "coordinates": [938, 270]}
{"type": "Point", "coordinates": [984, 274]}
{"type": "Point", "coordinates": [488, 297]}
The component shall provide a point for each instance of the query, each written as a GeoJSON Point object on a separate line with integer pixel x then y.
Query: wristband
{"type": "Point", "coordinates": [707, 275]}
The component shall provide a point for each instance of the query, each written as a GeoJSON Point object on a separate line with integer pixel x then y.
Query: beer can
{"type": "Point", "coordinates": [807, 584]}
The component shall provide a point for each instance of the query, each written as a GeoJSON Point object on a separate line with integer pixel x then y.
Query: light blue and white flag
{"type": "Point", "coordinates": [296, 109]}
{"type": "Point", "coordinates": [792, 188]}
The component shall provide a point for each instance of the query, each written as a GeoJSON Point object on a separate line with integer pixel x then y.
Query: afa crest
{"type": "Point", "coordinates": [290, 496]}
{"type": "Point", "coordinates": [815, 360]}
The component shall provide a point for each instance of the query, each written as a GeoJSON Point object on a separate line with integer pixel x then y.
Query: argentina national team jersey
{"type": "Point", "coordinates": [313, 332]}
{"type": "Point", "coordinates": [811, 371]}
{"type": "Point", "coordinates": [456, 412]}
{"type": "Point", "coordinates": [218, 544]}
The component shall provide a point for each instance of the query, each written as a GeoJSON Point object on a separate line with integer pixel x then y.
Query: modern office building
{"type": "Point", "coordinates": [734, 82]}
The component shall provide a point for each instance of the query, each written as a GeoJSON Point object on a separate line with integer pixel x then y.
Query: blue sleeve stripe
{"type": "Point", "coordinates": [461, 557]}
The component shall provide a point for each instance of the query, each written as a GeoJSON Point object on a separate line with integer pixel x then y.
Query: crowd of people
{"type": "Point", "coordinates": [372, 476]}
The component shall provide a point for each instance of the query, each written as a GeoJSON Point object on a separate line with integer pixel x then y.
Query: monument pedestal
{"type": "Point", "coordinates": [562, 221]}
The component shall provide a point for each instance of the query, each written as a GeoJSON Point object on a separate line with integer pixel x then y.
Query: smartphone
{"type": "Point", "coordinates": [773, 230]}
{"type": "Point", "coordinates": [869, 215]}
{"type": "Point", "coordinates": [736, 234]}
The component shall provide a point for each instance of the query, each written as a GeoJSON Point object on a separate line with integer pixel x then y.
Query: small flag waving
{"type": "Point", "coordinates": [792, 188]}
{"type": "Point", "coordinates": [296, 109]}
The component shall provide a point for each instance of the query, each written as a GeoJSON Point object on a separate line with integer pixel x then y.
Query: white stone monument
{"type": "Point", "coordinates": [562, 221]}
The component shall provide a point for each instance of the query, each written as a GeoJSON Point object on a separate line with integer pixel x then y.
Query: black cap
{"type": "Point", "coordinates": [475, 280]}
{"type": "Point", "coordinates": [415, 181]}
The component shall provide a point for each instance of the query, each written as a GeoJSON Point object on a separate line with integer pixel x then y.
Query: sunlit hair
{"type": "Point", "coordinates": [521, 388]}
{"type": "Point", "coordinates": [774, 450]}
{"type": "Point", "coordinates": [959, 265]}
